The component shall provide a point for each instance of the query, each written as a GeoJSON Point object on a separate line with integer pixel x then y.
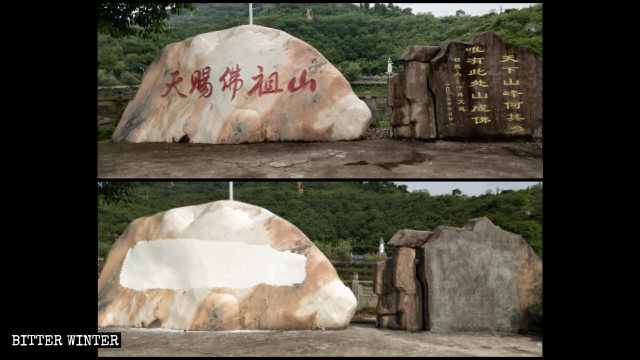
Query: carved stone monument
{"type": "Point", "coordinates": [486, 89]}
{"type": "Point", "coordinates": [478, 277]}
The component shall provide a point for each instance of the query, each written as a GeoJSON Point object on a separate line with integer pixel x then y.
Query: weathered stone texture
{"type": "Point", "coordinates": [409, 238]}
{"type": "Point", "coordinates": [224, 265]}
{"type": "Point", "coordinates": [395, 90]}
{"type": "Point", "coordinates": [242, 85]}
{"type": "Point", "coordinates": [412, 114]}
{"type": "Point", "coordinates": [409, 302]}
{"type": "Point", "coordinates": [479, 277]}
{"type": "Point", "coordinates": [364, 294]}
{"type": "Point", "coordinates": [421, 113]}
{"type": "Point", "coordinates": [400, 117]}
{"type": "Point", "coordinates": [486, 89]}
{"type": "Point", "coordinates": [419, 53]}
{"type": "Point", "coordinates": [399, 293]}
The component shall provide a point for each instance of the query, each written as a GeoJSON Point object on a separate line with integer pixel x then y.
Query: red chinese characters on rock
{"type": "Point", "coordinates": [173, 85]}
{"type": "Point", "coordinates": [230, 79]}
{"type": "Point", "coordinates": [199, 81]}
{"type": "Point", "coordinates": [303, 82]}
{"type": "Point", "coordinates": [233, 83]}
{"type": "Point", "coordinates": [268, 87]}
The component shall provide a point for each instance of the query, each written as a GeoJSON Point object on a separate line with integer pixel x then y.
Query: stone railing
{"type": "Point", "coordinates": [363, 293]}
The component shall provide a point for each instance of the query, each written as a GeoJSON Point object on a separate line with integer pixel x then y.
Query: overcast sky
{"type": "Point", "coordinates": [446, 9]}
{"type": "Point", "coordinates": [469, 188]}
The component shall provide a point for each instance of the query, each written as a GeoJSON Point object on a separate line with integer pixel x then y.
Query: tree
{"type": "Point", "coordinates": [110, 192]}
{"type": "Point", "coordinates": [379, 8]}
{"type": "Point", "coordinates": [342, 251]}
{"type": "Point", "coordinates": [113, 192]}
{"type": "Point", "coordinates": [325, 247]}
{"type": "Point", "coordinates": [339, 217]}
{"type": "Point", "coordinates": [456, 192]}
{"type": "Point", "coordinates": [460, 12]}
{"type": "Point", "coordinates": [352, 71]}
{"type": "Point", "coordinates": [143, 19]}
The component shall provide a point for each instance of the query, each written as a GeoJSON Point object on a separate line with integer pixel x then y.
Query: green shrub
{"type": "Point", "coordinates": [352, 72]}
{"type": "Point", "coordinates": [381, 123]}
{"type": "Point", "coordinates": [343, 251]}
{"type": "Point", "coordinates": [325, 247]}
{"type": "Point", "coordinates": [129, 78]}
{"type": "Point", "coordinates": [533, 316]}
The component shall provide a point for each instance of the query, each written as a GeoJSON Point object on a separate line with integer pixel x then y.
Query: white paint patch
{"type": "Point", "coordinates": [184, 264]}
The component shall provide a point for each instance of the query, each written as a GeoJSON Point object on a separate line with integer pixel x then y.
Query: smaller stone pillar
{"type": "Point", "coordinates": [355, 288]}
{"type": "Point", "coordinates": [398, 290]}
{"type": "Point", "coordinates": [412, 105]}
{"type": "Point", "coordinates": [371, 103]}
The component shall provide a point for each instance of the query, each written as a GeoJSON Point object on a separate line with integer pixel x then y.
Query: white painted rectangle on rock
{"type": "Point", "coordinates": [183, 264]}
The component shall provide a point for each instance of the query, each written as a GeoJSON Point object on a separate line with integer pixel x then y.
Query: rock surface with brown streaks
{"type": "Point", "coordinates": [245, 84]}
{"type": "Point", "coordinates": [412, 106]}
{"type": "Point", "coordinates": [224, 265]}
{"type": "Point", "coordinates": [399, 292]}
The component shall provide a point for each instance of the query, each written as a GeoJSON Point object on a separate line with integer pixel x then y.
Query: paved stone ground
{"type": "Point", "coordinates": [363, 159]}
{"type": "Point", "coordinates": [357, 340]}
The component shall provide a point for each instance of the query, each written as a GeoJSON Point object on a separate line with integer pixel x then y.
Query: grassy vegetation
{"type": "Point", "coordinates": [369, 310]}
{"type": "Point", "coordinates": [381, 123]}
{"type": "Point", "coordinates": [365, 272]}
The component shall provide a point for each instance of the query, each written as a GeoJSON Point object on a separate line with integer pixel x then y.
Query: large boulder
{"type": "Point", "coordinates": [224, 265]}
{"type": "Point", "coordinates": [478, 277]}
{"type": "Point", "coordinates": [242, 85]}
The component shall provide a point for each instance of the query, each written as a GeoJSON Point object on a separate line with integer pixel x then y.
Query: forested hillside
{"type": "Point", "coordinates": [356, 39]}
{"type": "Point", "coordinates": [348, 214]}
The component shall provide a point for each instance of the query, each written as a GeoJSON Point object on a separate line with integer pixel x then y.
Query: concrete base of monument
{"type": "Point", "coordinates": [362, 340]}
{"type": "Point", "coordinates": [371, 158]}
